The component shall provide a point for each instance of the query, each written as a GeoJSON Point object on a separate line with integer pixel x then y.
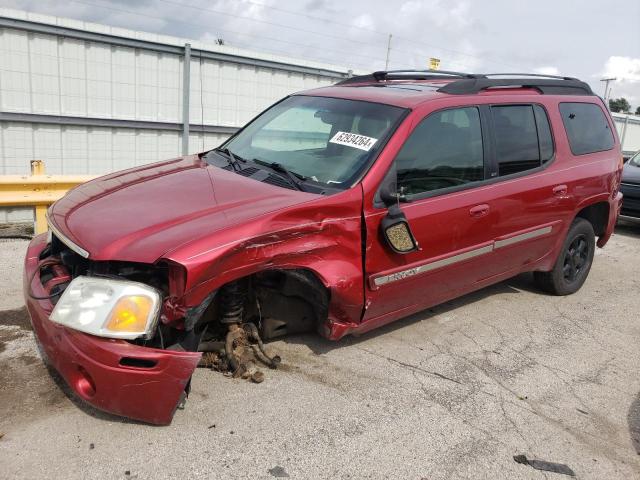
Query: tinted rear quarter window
{"type": "Point", "coordinates": [587, 128]}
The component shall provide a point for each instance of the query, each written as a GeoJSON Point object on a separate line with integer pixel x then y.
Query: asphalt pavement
{"type": "Point", "coordinates": [453, 392]}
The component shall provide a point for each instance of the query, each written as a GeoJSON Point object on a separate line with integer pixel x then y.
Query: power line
{"type": "Point", "coordinates": [313, 17]}
{"type": "Point", "coordinates": [259, 37]}
{"type": "Point", "coordinates": [407, 39]}
{"type": "Point", "coordinates": [257, 20]}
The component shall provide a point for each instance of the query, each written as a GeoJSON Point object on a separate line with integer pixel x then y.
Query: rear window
{"type": "Point", "coordinates": [587, 128]}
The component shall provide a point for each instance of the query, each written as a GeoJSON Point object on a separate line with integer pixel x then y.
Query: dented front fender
{"type": "Point", "coordinates": [323, 236]}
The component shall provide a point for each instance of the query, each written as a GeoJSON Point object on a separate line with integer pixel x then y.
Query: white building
{"type": "Point", "coordinates": [90, 99]}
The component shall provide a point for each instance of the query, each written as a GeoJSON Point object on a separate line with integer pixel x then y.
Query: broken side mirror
{"type": "Point", "coordinates": [395, 226]}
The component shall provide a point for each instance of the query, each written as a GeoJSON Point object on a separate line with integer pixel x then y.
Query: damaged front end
{"type": "Point", "coordinates": [143, 372]}
{"type": "Point", "coordinates": [129, 378]}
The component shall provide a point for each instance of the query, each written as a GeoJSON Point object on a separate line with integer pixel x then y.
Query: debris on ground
{"type": "Point", "coordinates": [278, 472]}
{"type": "Point", "coordinates": [91, 446]}
{"type": "Point", "coordinates": [17, 231]}
{"type": "Point", "coordinates": [545, 466]}
{"type": "Point", "coordinates": [1, 435]}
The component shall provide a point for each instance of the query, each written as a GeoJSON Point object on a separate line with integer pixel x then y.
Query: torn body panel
{"type": "Point", "coordinates": [325, 242]}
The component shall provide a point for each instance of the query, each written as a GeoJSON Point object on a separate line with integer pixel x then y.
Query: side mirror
{"type": "Point", "coordinates": [397, 232]}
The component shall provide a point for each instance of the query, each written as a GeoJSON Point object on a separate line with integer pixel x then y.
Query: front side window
{"type": "Point", "coordinates": [523, 137]}
{"type": "Point", "coordinates": [323, 140]}
{"type": "Point", "coordinates": [587, 128]}
{"type": "Point", "coordinates": [444, 150]}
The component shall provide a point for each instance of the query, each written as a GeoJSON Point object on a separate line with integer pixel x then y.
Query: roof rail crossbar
{"type": "Point", "coordinates": [557, 86]}
{"type": "Point", "coordinates": [383, 75]}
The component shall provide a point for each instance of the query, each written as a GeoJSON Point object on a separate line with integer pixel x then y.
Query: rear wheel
{"type": "Point", "coordinates": [574, 262]}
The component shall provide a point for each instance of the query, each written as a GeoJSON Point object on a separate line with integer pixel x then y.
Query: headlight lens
{"type": "Point", "coordinates": [108, 308]}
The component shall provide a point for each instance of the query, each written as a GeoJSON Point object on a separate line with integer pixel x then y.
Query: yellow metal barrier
{"type": "Point", "coordinates": [38, 190]}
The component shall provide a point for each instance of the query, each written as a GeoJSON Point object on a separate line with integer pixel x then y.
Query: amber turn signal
{"type": "Point", "coordinates": [130, 314]}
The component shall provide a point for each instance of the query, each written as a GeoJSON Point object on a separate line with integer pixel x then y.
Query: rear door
{"type": "Point", "coordinates": [533, 201]}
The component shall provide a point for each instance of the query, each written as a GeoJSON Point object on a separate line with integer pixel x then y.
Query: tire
{"type": "Point", "coordinates": [574, 261]}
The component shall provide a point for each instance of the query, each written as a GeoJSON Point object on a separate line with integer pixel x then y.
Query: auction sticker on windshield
{"type": "Point", "coordinates": [354, 140]}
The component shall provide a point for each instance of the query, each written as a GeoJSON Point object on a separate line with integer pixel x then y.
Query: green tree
{"type": "Point", "coordinates": [638, 111]}
{"type": "Point", "coordinates": [619, 105]}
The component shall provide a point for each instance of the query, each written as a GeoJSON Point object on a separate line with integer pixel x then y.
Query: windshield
{"type": "Point", "coordinates": [635, 160]}
{"type": "Point", "coordinates": [326, 140]}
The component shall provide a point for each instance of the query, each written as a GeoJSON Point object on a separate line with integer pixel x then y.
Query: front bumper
{"type": "Point", "coordinates": [92, 366]}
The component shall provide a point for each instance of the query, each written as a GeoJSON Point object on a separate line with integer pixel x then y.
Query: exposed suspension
{"type": "Point", "coordinates": [242, 343]}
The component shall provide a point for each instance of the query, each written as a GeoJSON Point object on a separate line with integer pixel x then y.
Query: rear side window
{"type": "Point", "coordinates": [444, 150]}
{"type": "Point", "coordinates": [587, 128]}
{"type": "Point", "coordinates": [523, 137]}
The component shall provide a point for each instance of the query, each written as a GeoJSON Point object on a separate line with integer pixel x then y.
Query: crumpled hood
{"type": "Point", "coordinates": [143, 213]}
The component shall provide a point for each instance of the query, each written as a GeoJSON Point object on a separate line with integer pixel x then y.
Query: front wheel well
{"type": "Point", "coordinates": [598, 215]}
{"type": "Point", "coordinates": [279, 302]}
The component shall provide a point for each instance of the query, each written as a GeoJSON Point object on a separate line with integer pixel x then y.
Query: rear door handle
{"type": "Point", "coordinates": [479, 210]}
{"type": "Point", "coordinates": [560, 190]}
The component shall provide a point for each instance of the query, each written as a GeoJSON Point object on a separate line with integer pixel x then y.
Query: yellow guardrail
{"type": "Point", "coordinates": [37, 190]}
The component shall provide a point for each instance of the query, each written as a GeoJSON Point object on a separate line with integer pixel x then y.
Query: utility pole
{"type": "Point", "coordinates": [607, 92]}
{"type": "Point", "coordinates": [386, 62]}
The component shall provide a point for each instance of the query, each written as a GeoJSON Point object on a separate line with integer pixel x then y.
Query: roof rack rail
{"type": "Point", "coordinates": [409, 74]}
{"type": "Point", "coordinates": [468, 83]}
{"type": "Point", "coordinates": [534, 75]}
{"type": "Point", "coordinates": [545, 84]}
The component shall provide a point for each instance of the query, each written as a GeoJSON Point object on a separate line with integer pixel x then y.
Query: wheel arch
{"type": "Point", "coordinates": [597, 214]}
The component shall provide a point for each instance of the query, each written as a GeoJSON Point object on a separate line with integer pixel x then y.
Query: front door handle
{"type": "Point", "coordinates": [560, 190]}
{"type": "Point", "coordinates": [479, 210]}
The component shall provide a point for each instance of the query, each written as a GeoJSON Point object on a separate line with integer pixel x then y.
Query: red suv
{"type": "Point", "coordinates": [339, 210]}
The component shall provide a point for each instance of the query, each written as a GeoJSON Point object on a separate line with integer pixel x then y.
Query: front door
{"type": "Point", "coordinates": [441, 170]}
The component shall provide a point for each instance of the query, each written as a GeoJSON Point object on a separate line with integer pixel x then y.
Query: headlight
{"type": "Point", "coordinates": [108, 308]}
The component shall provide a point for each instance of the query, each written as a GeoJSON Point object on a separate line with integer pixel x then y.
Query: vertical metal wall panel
{"type": "Point", "coordinates": [124, 82]}
{"type": "Point", "coordinates": [45, 74]}
{"type": "Point", "coordinates": [17, 148]}
{"type": "Point", "coordinates": [47, 144]}
{"type": "Point", "coordinates": [99, 151]}
{"type": "Point", "coordinates": [99, 73]}
{"type": "Point", "coordinates": [73, 77]}
{"type": "Point", "coordinates": [169, 88]}
{"type": "Point", "coordinates": [15, 78]}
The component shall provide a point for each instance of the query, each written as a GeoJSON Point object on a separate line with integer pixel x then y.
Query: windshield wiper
{"type": "Point", "coordinates": [293, 177]}
{"type": "Point", "coordinates": [231, 158]}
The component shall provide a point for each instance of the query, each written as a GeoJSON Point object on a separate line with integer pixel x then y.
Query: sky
{"type": "Point", "coordinates": [587, 39]}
